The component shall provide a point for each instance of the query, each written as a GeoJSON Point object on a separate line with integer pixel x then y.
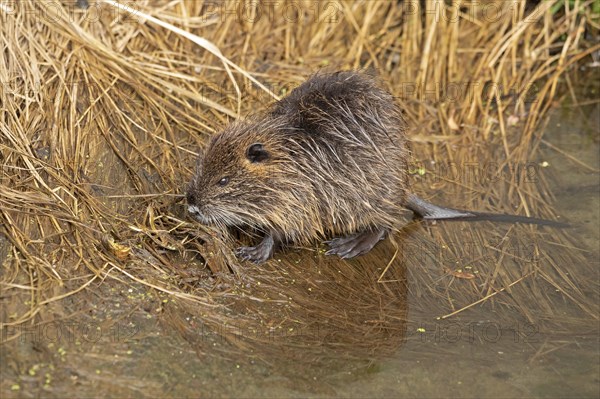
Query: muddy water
{"type": "Point", "coordinates": [121, 341]}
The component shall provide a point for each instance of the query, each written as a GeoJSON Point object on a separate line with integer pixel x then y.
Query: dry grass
{"type": "Point", "coordinates": [101, 118]}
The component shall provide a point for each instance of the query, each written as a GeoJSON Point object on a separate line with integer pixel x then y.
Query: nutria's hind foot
{"type": "Point", "coordinates": [355, 244]}
{"type": "Point", "coordinates": [259, 253]}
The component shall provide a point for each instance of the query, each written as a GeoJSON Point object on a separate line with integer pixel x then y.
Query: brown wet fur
{"type": "Point", "coordinates": [334, 164]}
{"type": "Point", "coordinates": [328, 160]}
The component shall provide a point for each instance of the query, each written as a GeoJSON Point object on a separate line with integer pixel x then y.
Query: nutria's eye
{"type": "Point", "coordinates": [223, 181]}
{"type": "Point", "coordinates": [256, 153]}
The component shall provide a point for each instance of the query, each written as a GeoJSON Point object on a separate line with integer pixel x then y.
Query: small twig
{"type": "Point", "coordinates": [486, 297]}
{"type": "Point", "coordinates": [571, 157]}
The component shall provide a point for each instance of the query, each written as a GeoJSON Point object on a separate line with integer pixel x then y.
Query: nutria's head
{"type": "Point", "coordinates": [238, 174]}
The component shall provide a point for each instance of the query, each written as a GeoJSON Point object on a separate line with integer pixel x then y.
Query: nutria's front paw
{"type": "Point", "coordinates": [257, 254]}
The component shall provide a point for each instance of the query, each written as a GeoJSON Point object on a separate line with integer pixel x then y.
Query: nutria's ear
{"type": "Point", "coordinates": [256, 153]}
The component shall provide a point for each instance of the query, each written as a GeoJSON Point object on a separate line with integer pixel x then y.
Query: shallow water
{"type": "Point", "coordinates": [124, 341]}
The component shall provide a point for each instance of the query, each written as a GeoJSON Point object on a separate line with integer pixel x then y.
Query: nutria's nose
{"type": "Point", "coordinates": [189, 196]}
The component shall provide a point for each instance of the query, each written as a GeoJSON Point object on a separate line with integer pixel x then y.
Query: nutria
{"type": "Point", "coordinates": [328, 160]}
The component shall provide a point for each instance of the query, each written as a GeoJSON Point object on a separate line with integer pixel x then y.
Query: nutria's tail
{"type": "Point", "coordinates": [429, 211]}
